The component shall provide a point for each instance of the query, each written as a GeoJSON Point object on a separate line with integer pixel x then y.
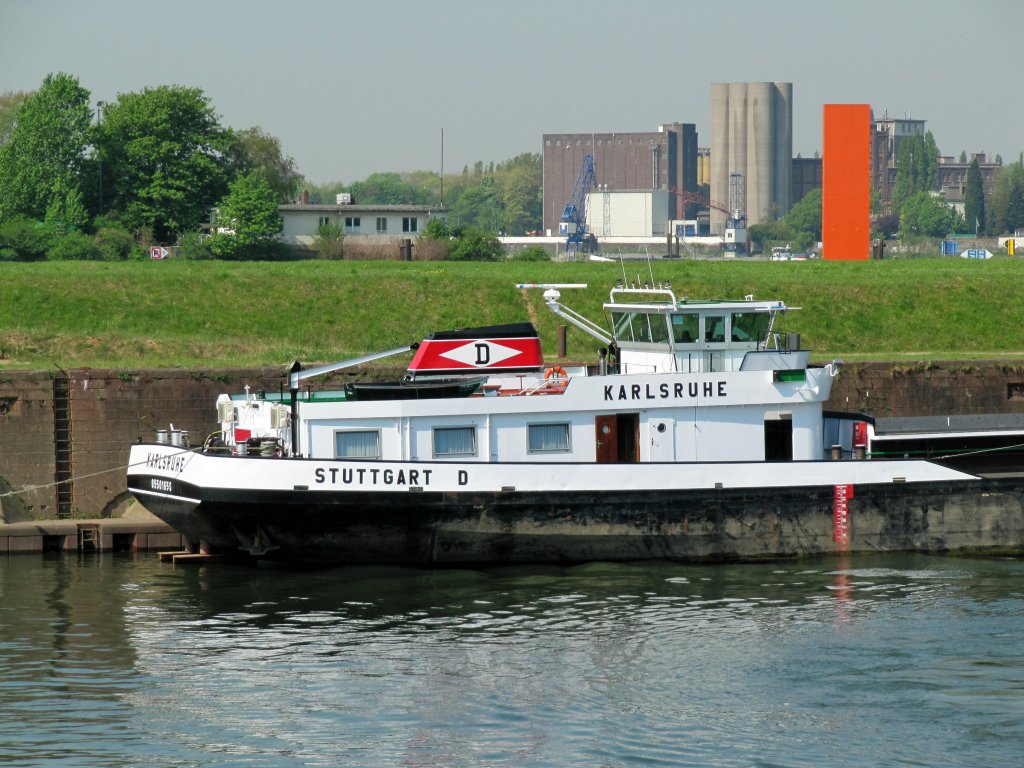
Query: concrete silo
{"type": "Point", "coordinates": [752, 134]}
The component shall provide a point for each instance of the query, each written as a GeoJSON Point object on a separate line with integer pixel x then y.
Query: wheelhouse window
{"type": "Point", "coordinates": [357, 444]}
{"type": "Point", "coordinates": [352, 223]}
{"type": "Point", "coordinates": [454, 441]}
{"type": "Point", "coordinates": [325, 221]}
{"type": "Point", "coordinates": [686, 329]}
{"type": "Point", "coordinates": [750, 327]}
{"type": "Point", "coordinates": [640, 326]}
{"type": "Point", "coordinates": [714, 329]}
{"type": "Point", "coordinates": [382, 225]}
{"type": "Point", "coordinates": [410, 224]}
{"type": "Point", "coordinates": [549, 438]}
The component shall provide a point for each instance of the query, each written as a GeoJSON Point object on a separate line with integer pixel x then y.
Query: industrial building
{"type": "Point", "coordinates": [665, 159]}
{"type": "Point", "coordinates": [638, 187]}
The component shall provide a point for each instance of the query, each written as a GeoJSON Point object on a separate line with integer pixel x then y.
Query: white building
{"type": "Point", "coordinates": [372, 222]}
{"type": "Point", "coordinates": [631, 213]}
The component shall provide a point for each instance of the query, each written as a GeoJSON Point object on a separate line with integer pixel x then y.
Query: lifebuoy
{"type": "Point", "coordinates": [557, 372]}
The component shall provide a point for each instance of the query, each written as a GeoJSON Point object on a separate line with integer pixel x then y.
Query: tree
{"type": "Point", "coordinates": [163, 154]}
{"type": "Point", "coordinates": [10, 103]}
{"type": "Point", "coordinates": [249, 212]}
{"type": "Point", "coordinates": [926, 215]}
{"type": "Point", "coordinates": [479, 206]}
{"type": "Point", "coordinates": [1007, 209]}
{"type": "Point", "coordinates": [253, 151]}
{"type": "Point", "coordinates": [974, 199]}
{"type": "Point", "coordinates": [805, 216]}
{"type": "Point", "coordinates": [387, 189]}
{"type": "Point", "coordinates": [42, 165]}
{"type": "Point", "coordinates": [917, 168]}
{"type": "Point", "coordinates": [519, 183]}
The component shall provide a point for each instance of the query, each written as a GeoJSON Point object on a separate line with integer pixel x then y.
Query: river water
{"type": "Point", "coordinates": [120, 660]}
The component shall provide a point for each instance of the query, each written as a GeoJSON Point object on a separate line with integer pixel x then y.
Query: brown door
{"type": "Point", "coordinates": [618, 438]}
{"type": "Point", "coordinates": [607, 439]}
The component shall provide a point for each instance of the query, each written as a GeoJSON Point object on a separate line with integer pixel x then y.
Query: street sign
{"type": "Point", "coordinates": [158, 252]}
{"type": "Point", "coordinates": [976, 253]}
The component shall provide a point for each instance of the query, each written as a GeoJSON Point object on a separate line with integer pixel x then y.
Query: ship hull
{"type": "Point", "coordinates": [260, 508]}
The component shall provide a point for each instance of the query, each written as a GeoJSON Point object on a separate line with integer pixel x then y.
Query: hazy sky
{"type": "Point", "coordinates": [354, 87]}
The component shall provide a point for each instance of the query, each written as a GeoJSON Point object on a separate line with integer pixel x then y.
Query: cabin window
{"type": "Point", "coordinates": [382, 225]}
{"type": "Point", "coordinates": [454, 441]}
{"type": "Point", "coordinates": [549, 438]}
{"type": "Point", "coordinates": [410, 224]}
{"type": "Point", "coordinates": [686, 329]}
{"type": "Point", "coordinates": [357, 444]}
{"type": "Point", "coordinates": [352, 223]}
{"type": "Point", "coordinates": [325, 221]}
{"type": "Point", "coordinates": [750, 327]}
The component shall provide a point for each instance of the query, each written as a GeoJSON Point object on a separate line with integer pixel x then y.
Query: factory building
{"type": "Point", "coordinates": [752, 135]}
{"type": "Point", "coordinates": [665, 159]}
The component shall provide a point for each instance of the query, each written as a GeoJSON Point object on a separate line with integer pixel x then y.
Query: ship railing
{"type": "Point", "coordinates": [545, 387]}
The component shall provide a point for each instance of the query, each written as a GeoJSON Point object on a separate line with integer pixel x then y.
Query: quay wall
{"type": "Point", "coordinates": [79, 424]}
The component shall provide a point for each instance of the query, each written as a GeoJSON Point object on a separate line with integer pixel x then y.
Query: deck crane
{"type": "Point", "coordinates": [573, 223]}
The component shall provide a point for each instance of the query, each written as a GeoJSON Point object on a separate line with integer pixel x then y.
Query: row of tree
{"type": "Point", "coordinates": [151, 167]}
{"type": "Point", "coordinates": [156, 161]}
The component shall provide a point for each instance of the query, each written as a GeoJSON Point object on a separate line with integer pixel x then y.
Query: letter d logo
{"type": "Point", "coordinates": [483, 354]}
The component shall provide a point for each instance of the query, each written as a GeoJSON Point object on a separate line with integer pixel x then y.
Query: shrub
{"type": "Point", "coordinates": [437, 229]}
{"type": "Point", "coordinates": [74, 246]}
{"type": "Point", "coordinates": [532, 253]}
{"type": "Point", "coordinates": [194, 247]}
{"type": "Point", "coordinates": [329, 242]}
{"type": "Point", "coordinates": [475, 245]}
{"type": "Point", "coordinates": [114, 243]}
{"type": "Point", "coordinates": [28, 239]}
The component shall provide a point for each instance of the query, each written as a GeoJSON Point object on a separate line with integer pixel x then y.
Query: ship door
{"type": "Point", "coordinates": [618, 438]}
{"type": "Point", "coordinates": [778, 437]}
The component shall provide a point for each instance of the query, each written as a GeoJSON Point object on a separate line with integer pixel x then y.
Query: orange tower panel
{"type": "Point", "coordinates": [846, 182]}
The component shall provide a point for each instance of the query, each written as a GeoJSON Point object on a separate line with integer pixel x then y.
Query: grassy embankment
{"type": "Point", "coordinates": [215, 314]}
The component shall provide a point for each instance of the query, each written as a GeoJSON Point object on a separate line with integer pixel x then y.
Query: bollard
{"type": "Point", "coordinates": [561, 341]}
{"type": "Point", "coordinates": [837, 452]}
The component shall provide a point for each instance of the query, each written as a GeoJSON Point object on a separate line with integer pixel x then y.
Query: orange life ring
{"type": "Point", "coordinates": [557, 372]}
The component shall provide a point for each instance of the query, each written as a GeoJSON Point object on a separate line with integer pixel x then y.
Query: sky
{"type": "Point", "coordinates": [352, 88]}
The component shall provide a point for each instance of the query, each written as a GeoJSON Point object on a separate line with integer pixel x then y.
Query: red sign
{"type": "Point", "coordinates": [467, 355]}
{"type": "Point", "coordinates": [841, 515]}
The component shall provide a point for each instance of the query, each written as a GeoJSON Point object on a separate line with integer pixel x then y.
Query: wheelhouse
{"type": "Point", "coordinates": [655, 331]}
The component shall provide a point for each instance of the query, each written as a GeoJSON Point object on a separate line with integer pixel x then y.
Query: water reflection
{"type": "Point", "coordinates": [879, 659]}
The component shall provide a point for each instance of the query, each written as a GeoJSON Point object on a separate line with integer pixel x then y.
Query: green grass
{"type": "Point", "coordinates": [215, 314]}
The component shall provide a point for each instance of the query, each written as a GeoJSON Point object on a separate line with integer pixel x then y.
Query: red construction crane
{"type": "Point", "coordinates": [684, 198]}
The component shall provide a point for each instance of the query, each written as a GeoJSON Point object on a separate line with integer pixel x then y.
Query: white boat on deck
{"type": "Point", "coordinates": [698, 435]}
